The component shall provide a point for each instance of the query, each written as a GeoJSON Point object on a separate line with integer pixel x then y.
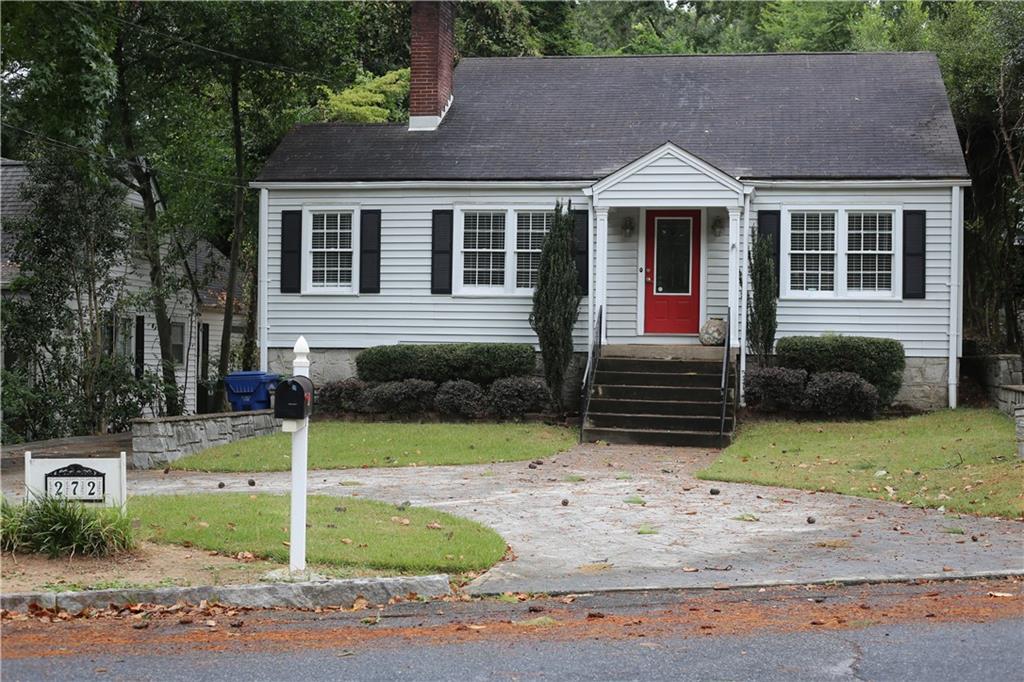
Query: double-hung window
{"type": "Point", "coordinates": [812, 251]}
{"type": "Point", "coordinates": [842, 252]}
{"type": "Point", "coordinates": [869, 251]}
{"type": "Point", "coordinates": [498, 249]}
{"type": "Point", "coordinates": [483, 249]}
{"type": "Point", "coordinates": [531, 229]}
{"type": "Point", "coordinates": [331, 249]}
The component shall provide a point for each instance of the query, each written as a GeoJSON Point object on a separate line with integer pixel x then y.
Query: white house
{"type": "Point", "coordinates": [428, 232]}
{"type": "Point", "coordinates": [196, 322]}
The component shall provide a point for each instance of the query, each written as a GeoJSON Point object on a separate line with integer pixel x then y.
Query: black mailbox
{"type": "Point", "coordinates": [293, 398]}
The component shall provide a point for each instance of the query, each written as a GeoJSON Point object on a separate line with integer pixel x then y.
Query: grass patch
{"type": "Point", "coordinates": [342, 531]}
{"type": "Point", "coordinates": [343, 445]}
{"type": "Point", "coordinates": [574, 478]}
{"type": "Point", "coordinates": [623, 477]}
{"type": "Point", "coordinates": [58, 527]}
{"type": "Point", "coordinates": [745, 517]}
{"type": "Point", "coordinates": [635, 499]}
{"type": "Point", "coordinates": [962, 460]}
{"type": "Point", "coordinates": [646, 530]}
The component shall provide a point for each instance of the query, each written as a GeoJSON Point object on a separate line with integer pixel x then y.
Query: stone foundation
{"type": "Point", "coordinates": [159, 441]}
{"type": "Point", "coordinates": [924, 384]}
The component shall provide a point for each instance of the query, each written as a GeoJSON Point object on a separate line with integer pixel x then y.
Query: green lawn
{"type": "Point", "coordinates": [963, 460]}
{"type": "Point", "coordinates": [342, 445]}
{"type": "Point", "coordinates": [342, 532]}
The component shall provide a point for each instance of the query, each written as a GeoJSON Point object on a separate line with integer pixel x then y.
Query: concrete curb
{"type": "Point", "coordinates": [857, 580]}
{"type": "Point", "coordinates": [304, 595]}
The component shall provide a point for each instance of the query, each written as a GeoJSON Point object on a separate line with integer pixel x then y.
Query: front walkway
{"type": "Point", "coordinates": [593, 541]}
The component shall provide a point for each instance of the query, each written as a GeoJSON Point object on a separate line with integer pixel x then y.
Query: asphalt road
{"type": "Point", "coordinates": [950, 631]}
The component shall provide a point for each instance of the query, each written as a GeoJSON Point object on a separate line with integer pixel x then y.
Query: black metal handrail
{"type": "Point", "coordinates": [725, 373]}
{"type": "Point", "coordinates": [590, 371]}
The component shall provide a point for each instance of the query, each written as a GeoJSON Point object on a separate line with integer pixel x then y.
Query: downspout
{"type": "Point", "coordinates": [748, 193]}
{"type": "Point", "coordinates": [261, 296]}
{"type": "Point", "coordinates": [954, 294]}
{"type": "Point", "coordinates": [591, 288]}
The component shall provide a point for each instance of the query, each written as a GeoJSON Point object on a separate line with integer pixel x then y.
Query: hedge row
{"type": "Point", "coordinates": [481, 363]}
{"type": "Point", "coordinates": [830, 394]}
{"type": "Point", "coordinates": [880, 362]}
{"type": "Point", "coordinates": [507, 398]}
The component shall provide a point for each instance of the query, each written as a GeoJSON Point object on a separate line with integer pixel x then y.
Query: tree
{"type": "Point", "coordinates": [761, 305]}
{"type": "Point", "coordinates": [61, 324]}
{"type": "Point", "coordinates": [381, 99]}
{"type": "Point", "coordinates": [556, 302]}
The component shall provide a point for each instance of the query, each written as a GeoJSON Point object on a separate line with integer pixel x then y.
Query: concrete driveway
{"type": "Point", "coordinates": [639, 519]}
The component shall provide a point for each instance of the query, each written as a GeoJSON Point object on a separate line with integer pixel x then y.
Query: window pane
{"type": "Point", "coordinates": [483, 242]}
{"type": "Point", "coordinates": [672, 256]}
{"type": "Point", "coordinates": [812, 251]}
{"type": "Point", "coordinates": [331, 244]}
{"type": "Point", "coordinates": [869, 251]}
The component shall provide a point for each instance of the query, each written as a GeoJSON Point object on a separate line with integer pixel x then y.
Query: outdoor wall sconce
{"type": "Point", "coordinates": [716, 226]}
{"type": "Point", "coordinates": [628, 226]}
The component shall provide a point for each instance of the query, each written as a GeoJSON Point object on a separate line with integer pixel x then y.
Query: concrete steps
{"type": "Point", "coordinates": [659, 401]}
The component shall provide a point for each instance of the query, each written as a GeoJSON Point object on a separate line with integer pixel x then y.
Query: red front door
{"type": "Point", "coordinates": [672, 273]}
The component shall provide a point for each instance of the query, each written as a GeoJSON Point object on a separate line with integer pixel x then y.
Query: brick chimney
{"type": "Point", "coordinates": [432, 49]}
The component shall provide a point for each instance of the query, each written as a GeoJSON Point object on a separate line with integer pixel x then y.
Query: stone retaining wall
{"type": "Point", "coordinates": [1018, 415]}
{"type": "Point", "coordinates": [924, 384]}
{"type": "Point", "coordinates": [1002, 376]}
{"type": "Point", "coordinates": [159, 441]}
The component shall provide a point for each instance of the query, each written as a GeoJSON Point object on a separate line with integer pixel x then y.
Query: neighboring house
{"type": "Point", "coordinates": [380, 234]}
{"type": "Point", "coordinates": [196, 325]}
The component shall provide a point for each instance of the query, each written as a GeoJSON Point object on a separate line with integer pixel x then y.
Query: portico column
{"type": "Point", "coordinates": [601, 215]}
{"type": "Point", "coordinates": [734, 274]}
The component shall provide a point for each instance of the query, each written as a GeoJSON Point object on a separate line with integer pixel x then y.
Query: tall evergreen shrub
{"type": "Point", "coordinates": [556, 302]}
{"type": "Point", "coordinates": [761, 304]}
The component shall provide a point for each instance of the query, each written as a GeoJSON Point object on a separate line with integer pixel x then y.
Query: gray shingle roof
{"type": "Point", "coordinates": [867, 115]}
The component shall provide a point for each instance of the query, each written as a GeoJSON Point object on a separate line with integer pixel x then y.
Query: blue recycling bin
{"type": "Point", "coordinates": [249, 390]}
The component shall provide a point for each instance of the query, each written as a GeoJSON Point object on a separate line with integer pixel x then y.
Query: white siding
{"type": "Point", "coordinates": [404, 311]}
{"type": "Point", "coordinates": [921, 325]}
{"type": "Point", "coordinates": [668, 181]}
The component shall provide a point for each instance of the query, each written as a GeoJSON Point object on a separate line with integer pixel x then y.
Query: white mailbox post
{"type": "Point", "coordinates": [299, 428]}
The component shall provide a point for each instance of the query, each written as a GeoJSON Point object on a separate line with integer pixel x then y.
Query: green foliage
{"type": "Point", "coordinates": [58, 527]}
{"type": "Point", "coordinates": [791, 26]}
{"type": "Point", "coordinates": [880, 362]}
{"type": "Point", "coordinates": [775, 389]}
{"type": "Point", "coordinates": [409, 396]}
{"type": "Point", "coordinates": [762, 305]}
{"type": "Point", "coordinates": [514, 397]}
{"type": "Point", "coordinates": [460, 398]}
{"type": "Point", "coordinates": [338, 397]}
{"type": "Point", "coordinates": [478, 362]}
{"type": "Point", "coordinates": [556, 302]}
{"type": "Point", "coordinates": [841, 394]}
{"type": "Point", "coordinates": [380, 99]}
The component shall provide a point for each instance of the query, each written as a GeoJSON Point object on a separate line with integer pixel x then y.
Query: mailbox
{"type": "Point", "coordinates": [293, 398]}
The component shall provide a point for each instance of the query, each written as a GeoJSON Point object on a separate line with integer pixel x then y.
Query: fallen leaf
{"type": "Point", "coordinates": [1001, 594]}
{"type": "Point", "coordinates": [434, 525]}
{"type": "Point", "coordinates": [690, 569]}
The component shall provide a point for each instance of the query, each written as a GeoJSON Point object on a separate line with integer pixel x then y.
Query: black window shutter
{"type": "Point", "coordinates": [140, 345]}
{"type": "Point", "coordinates": [581, 226]}
{"type": "Point", "coordinates": [441, 252]}
{"type": "Point", "coordinates": [913, 254]}
{"type": "Point", "coordinates": [291, 252]}
{"type": "Point", "coordinates": [768, 223]}
{"type": "Point", "coordinates": [369, 252]}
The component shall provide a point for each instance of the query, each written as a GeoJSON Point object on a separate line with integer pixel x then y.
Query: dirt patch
{"type": "Point", "coordinates": [151, 565]}
{"type": "Point", "coordinates": [637, 460]}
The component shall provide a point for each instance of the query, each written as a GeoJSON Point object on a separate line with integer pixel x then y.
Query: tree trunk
{"type": "Point", "coordinates": [236, 235]}
{"type": "Point", "coordinates": [143, 184]}
{"type": "Point", "coordinates": [249, 359]}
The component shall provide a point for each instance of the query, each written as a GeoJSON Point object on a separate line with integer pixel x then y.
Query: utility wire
{"type": "Point", "coordinates": [85, 150]}
{"type": "Point", "coordinates": [323, 80]}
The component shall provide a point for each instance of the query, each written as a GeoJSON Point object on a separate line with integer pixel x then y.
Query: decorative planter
{"type": "Point", "coordinates": [713, 332]}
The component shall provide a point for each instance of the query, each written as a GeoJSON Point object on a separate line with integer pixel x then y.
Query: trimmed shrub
{"type": "Point", "coordinates": [481, 363]}
{"type": "Point", "coordinates": [411, 396]}
{"type": "Point", "coordinates": [775, 388]}
{"type": "Point", "coordinates": [336, 397]}
{"type": "Point", "coordinates": [841, 394]}
{"type": "Point", "coordinates": [513, 397]}
{"type": "Point", "coordinates": [58, 527]}
{"type": "Point", "coordinates": [460, 398]}
{"type": "Point", "coordinates": [879, 361]}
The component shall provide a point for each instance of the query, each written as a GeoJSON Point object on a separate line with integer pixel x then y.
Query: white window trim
{"type": "Point", "coordinates": [509, 289]}
{"type": "Point", "coordinates": [307, 246]}
{"type": "Point", "coordinates": [841, 291]}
